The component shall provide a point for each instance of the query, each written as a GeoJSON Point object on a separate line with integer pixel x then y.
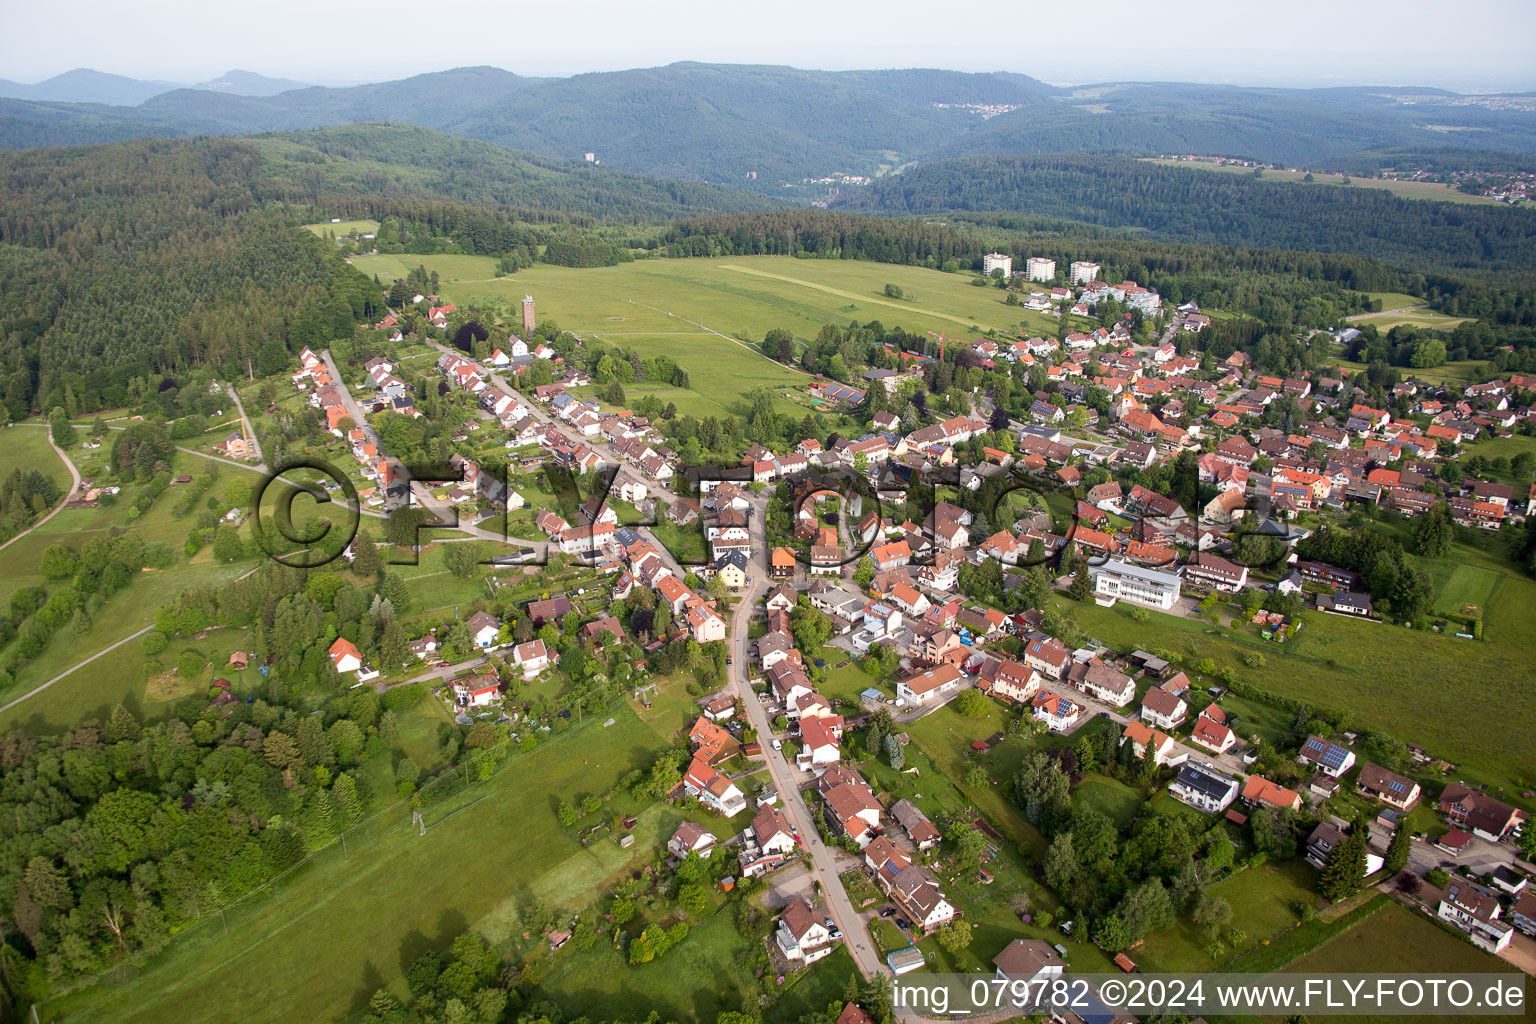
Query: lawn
{"type": "Point", "coordinates": [1508, 447]}
{"type": "Point", "coordinates": [1261, 899]}
{"type": "Point", "coordinates": [1466, 591]}
{"type": "Point", "coordinates": [348, 926]}
{"type": "Point", "coordinates": [1396, 940]}
{"type": "Point", "coordinates": [1111, 797]}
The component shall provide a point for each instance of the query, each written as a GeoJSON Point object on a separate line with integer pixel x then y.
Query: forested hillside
{"type": "Point", "coordinates": [1185, 205]}
{"type": "Point", "coordinates": [393, 161]}
{"type": "Point", "coordinates": [123, 263]}
{"type": "Point", "coordinates": [762, 126]}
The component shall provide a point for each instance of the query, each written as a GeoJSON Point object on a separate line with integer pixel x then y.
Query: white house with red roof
{"type": "Point", "coordinates": [345, 655]}
{"type": "Point", "coordinates": [532, 657]}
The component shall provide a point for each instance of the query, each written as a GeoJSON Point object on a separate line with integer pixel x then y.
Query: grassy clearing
{"type": "Point", "coordinates": [1111, 797]}
{"type": "Point", "coordinates": [1394, 300]}
{"type": "Point", "coordinates": [1461, 373]}
{"type": "Point", "coordinates": [25, 446]}
{"type": "Point", "coordinates": [1426, 318]}
{"type": "Point", "coordinates": [1508, 447]}
{"type": "Point", "coordinates": [1396, 940]}
{"type": "Point", "coordinates": [353, 925]}
{"type": "Point", "coordinates": [1402, 189]}
{"type": "Point", "coordinates": [720, 373]}
{"type": "Point", "coordinates": [346, 227]}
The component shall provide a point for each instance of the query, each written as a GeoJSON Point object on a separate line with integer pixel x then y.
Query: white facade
{"type": "Point", "coordinates": [1038, 268]}
{"type": "Point", "coordinates": [1083, 272]}
{"type": "Point", "coordinates": [1116, 580]}
{"type": "Point", "coordinates": [995, 260]}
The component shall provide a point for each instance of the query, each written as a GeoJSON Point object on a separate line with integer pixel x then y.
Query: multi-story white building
{"type": "Point", "coordinates": [1083, 271]}
{"type": "Point", "coordinates": [1116, 580]}
{"type": "Point", "coordinates": [1038, 268]}
{"type": "Point", "coordinates": [995, 260]}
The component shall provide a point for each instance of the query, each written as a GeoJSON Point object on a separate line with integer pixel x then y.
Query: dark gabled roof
{"type": "Point", "coordinates": [1205, 780]}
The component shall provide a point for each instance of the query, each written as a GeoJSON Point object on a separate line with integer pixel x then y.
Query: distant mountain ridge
{"type": "Point", "coordinates": [764, 127]}
{"type": "Point", "coordinates": [84, 85]}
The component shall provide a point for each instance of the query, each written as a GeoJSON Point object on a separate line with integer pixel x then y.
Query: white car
{"type": "Point", "coordinates": [778, 744]}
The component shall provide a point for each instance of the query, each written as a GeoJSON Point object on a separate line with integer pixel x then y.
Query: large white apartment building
{"type": "Point", "coordinates": [1116, 580]}
{"type": "Point", "coordinates": [1038, 268]}
{"type": "Point", "coordinates": [1083, 272]}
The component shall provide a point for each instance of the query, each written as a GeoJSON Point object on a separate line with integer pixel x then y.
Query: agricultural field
{"type": "Point", "coordinates": [740, 296]}
{"type": "Point", "coordinates": [1402, 189]}
{"type": "Point", "coordinates": [395, 899]}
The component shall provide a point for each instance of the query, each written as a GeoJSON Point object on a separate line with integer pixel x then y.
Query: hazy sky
{"type": "Point", "coordinates": [1487, 45]}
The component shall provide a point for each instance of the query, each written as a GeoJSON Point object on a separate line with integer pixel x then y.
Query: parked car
{"type": "Point", "coordinates": [887, 912]}
{"type": "Point", "coordinates": [778, 744]}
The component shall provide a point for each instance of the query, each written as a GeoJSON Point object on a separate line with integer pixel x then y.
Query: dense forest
{"type": "Point", "coordinates": [1187, 205]}
{"type": "Point", "coordinates": [126, 262]}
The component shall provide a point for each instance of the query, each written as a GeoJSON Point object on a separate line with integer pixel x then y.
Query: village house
{"type": "Point", "coordinates": [476, 689]}
{"type": "Point", "coordinates": [1212, 732]}
{"type": "Point", "coordinates": [713, 789]}
{"type": "Point", "coordinates": [1326, 756]}
{"type": "Point", "coordinates": [767, 842]}
{"type": "Point", "coordinates": [1059, 714]}
{"type": "Point", "coordinates": [1142, 737]}
{"type": "Point", "coordinates": [1204, 788]}
{"type": "Point", "coordinates": [1163, 708]}
{"type": "Point", "coordinates": [1475, 910]}
{"type": "Point", "coordinates": [1486, 817]}
{"type": "Point", "coordinates": [1030, 961]}
{"type": "Point", "coordinates": [691, 837]}
{"type": "Point", "coordinates": [801, 935]}
{"type": "Point", "coordinates": [531, 658]}
{"type": "Point", "coordinates": [923, 833]}
{"type": "Point", "coordinates": [1390, 788]}
{"type": "Point", "coordinates": [928, 688]}
{"type": "Point", "coordinates": [1259, 791]}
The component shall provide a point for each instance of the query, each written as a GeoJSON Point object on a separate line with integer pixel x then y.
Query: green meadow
{"type": "Point", "coordinates": [740, 296]}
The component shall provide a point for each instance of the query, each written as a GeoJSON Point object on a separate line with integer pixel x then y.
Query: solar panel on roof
{"type": "Point", "coordinates": [1396, 787]}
